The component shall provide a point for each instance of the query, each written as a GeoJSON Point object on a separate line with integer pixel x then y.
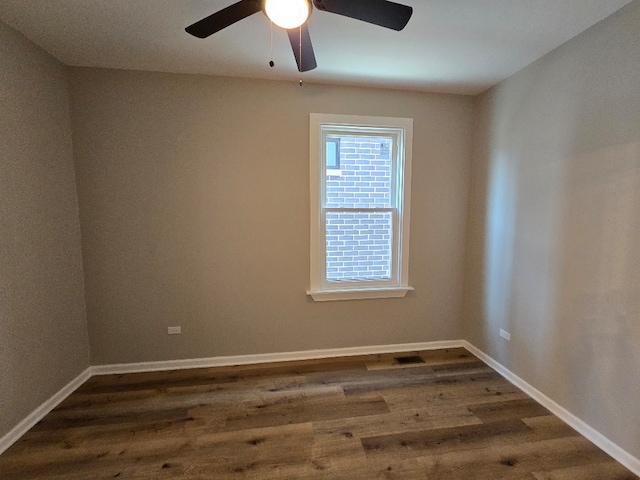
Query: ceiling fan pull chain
{"type": "Point", "coordinates": [271, 64]}
{"type": "Point", "coordinates": [300, 45]}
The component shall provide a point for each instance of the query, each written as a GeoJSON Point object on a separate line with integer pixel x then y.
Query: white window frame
{"type": "Point", "coordinates": [401, 129]}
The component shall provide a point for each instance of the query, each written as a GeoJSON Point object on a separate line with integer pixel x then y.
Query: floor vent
{"type": "Point", "coordinates": [409, 359]}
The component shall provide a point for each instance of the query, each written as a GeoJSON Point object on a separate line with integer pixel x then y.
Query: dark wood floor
{"type": "Point", "coordinates": [447, 417]}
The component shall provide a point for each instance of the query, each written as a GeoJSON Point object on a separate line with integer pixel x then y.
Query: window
{"type": "Point", "coordinates": [360, 199]}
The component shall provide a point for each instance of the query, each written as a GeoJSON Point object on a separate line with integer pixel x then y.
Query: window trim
{"type": "Point", "coordinates": [320, 289]}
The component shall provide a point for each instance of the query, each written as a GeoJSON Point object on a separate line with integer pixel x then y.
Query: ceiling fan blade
{"type": "Point", "coordinates": [378, 12]}
{"type": "Point", "coordinates": [302, 48]}
{"type": "Point", "coordinates": [223, 18]}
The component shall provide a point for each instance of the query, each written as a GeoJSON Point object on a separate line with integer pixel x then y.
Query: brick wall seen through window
{"type": "Point", "coordinates": [358, 242]}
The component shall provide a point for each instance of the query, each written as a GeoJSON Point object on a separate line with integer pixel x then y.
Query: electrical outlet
{"type": "Point", "coordinates": [506, 335]}
{"type": "Point", "coordinates": [174, 330]}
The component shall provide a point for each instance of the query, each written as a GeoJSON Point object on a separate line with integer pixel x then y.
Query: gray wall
{"type": "Point", "coordinates": [43, 331]}
{"type": "Point", "coordinates": [194, 207]}
{"type": "Point", "coordinates": [554, 229]}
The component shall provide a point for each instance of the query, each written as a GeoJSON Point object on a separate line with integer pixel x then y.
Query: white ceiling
{"type": "Point", "coordinates": [455, 46]}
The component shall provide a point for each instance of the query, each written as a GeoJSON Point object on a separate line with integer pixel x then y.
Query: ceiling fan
{"type": "Point", "coordinates": [292, 15]}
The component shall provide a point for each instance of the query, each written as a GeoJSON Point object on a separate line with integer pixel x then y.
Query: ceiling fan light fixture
{"type": "Point", "coordinates": [287, 13]}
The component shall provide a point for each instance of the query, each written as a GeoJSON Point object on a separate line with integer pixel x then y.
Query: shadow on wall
{"type": "Point", "coordinates": [527, 171]}
{"type": "Point", "coordinates": [601, 280]}
{"type": "Point", "coordinates": [562, 274]}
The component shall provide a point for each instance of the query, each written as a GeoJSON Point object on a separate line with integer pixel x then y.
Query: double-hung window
{"type": "Point", "coordinates": [360, 201]}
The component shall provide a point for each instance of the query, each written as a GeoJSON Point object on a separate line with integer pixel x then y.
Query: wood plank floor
{"type": "Point", "coordinates": [449, 416]}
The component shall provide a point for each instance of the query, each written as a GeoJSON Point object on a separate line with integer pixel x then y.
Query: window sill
{"type": "Point", "coordinates": [358, 294]}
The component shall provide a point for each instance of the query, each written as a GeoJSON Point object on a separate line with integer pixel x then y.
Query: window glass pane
{"type": "Point", "coordinates": [333, 152]}
{"type": "Point", "coordinates": [365, 174]}
{"type": "Point", "coordinates": [358, 246]}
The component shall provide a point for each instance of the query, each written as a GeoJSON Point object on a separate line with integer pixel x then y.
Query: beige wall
{"type": "Point", "coordinates": [43, 331]}
{"type": "Point", "coordinates": [194, 202]}
{"type": "Point", "coordinates": [554, 230]}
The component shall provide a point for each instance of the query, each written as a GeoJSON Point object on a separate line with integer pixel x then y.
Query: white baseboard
{"type": "Point", "coordinates": [39, 413]}
{"type": "Point", "coordinates": [602, 442]}
{"type": "Point", "coordinates": [226, 361]}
